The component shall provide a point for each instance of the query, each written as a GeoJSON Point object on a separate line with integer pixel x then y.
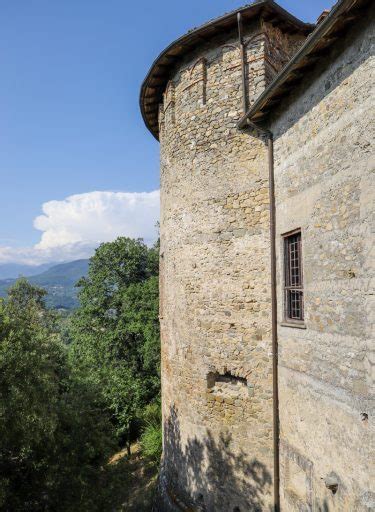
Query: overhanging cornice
{"type": "Point", "coordinates": [153, 86]}
{"type": "Point", "coordinates": [316, 46]}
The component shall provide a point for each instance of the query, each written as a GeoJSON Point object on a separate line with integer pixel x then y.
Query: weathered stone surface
{"type": "Point", "coordinates": [215, 281]}
{"type": "Point", "coordinates": [215, 303]}
{"type": "Point", "coordinates": [324, 173]}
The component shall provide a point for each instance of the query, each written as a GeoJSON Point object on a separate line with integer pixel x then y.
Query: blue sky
{"type": "Point", "coordinates": [69, 118]}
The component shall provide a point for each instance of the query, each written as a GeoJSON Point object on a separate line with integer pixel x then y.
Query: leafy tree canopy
{"type": "Point", "coordinates": [71, 389]}
{"type": "Point", "coordinates": [54, 436]}
{"type": "Point", "coordinates": [115, 331]}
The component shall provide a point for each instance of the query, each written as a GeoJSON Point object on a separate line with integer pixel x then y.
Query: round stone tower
{"type": "Point", "coordinates": [215, 306]}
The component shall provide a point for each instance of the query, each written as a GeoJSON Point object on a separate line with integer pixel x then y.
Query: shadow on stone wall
{"type": "Point", "coordinates": [217, 478]}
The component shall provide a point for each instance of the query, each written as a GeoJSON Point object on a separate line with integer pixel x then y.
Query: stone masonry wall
{"type": "Point", "coordinates": [279, 48]}
{"type": "Point", "coordinates": [215, 286]}
{"type": "Point", "coordinates": [325, 185]}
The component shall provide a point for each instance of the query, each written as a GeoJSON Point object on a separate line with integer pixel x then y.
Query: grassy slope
{"type": "Point", "coordinates": [137, 479]}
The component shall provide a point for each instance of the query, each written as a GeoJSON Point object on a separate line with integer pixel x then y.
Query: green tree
{"type": "Point", "coordinates": [54, 435]}
{"type": "Point", "coordinates": [115, 331]}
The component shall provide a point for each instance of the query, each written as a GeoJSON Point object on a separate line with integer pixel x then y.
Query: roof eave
{"type": "Point", "coordinates": [323, 30]}
{"type": "Point", "coordinates": [184, 41]}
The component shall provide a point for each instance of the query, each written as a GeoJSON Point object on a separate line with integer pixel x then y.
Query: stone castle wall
{"type": "Point", "coordinates": [324, 173]}
{"type": "Point", "coordinates": [215, 285]}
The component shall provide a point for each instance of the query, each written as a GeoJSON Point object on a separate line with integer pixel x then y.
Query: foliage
{"type": "Point", "coordinates": [54, 436]}
{"type": "Point", "coordinates": [115, 331]}
{"type": "Point", "coordinates": [73, 387]}
{"type": "Point", "coordinates": [151, 438]}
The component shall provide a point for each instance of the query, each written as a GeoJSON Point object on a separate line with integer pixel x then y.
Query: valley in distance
{"type": "Point", "coordinates": [58, 280]}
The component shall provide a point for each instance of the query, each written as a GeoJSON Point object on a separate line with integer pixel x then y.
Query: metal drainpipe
{"type": "Point", "coordinates": [276, 428]}
{"type": "Point", "coordinates": [243, 63]}
{"type": "Point", "coordinates": [271, 186]}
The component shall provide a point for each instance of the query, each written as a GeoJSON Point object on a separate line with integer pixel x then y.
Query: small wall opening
{"type": "Point", "coordinates": [200, 499]}
{"type": "Point", "coordinates": [228, 385]}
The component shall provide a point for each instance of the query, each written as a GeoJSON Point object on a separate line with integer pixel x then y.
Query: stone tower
{"type": "Point", "coordinates": [214, 228]}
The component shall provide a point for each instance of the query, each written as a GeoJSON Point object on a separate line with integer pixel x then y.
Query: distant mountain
{"type": "Point", "coordinates": [59, 282]}
{"type": "Point", "coordinates": [14, 270]}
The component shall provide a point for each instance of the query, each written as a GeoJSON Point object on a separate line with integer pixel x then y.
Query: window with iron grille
{"type": "Point", "coordinates": [293, 277]}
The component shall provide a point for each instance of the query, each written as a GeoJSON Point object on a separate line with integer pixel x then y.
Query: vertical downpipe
{"type": "Point", "coordinates": [271, 187]}
{"type": "Point", "coordinates": [275, 350]}
{"type": "Point", "coordinates": [243, 63]}
{"type": "Point", "coordinates": [275, 379]}
{"type": "Point", "coordinates": [275, 373]}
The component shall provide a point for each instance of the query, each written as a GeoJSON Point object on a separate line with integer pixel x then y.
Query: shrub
{"type": "Point", "coordinates": [151, 438]}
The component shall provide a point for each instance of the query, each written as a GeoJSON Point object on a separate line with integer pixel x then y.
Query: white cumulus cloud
{"type": "Point", "coordinates": [73, 227]}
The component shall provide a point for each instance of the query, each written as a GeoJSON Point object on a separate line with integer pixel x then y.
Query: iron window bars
{"type": "Point", "coordinates": [293, 278]}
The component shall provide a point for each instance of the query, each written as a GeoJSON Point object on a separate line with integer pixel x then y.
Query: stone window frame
{"type": "Point", "coordinates": [288, 287]}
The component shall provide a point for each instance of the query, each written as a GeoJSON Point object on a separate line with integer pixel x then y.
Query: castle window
{"type": "Point", "coordinates": [293, 278]}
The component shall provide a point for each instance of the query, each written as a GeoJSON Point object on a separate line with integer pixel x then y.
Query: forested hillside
{"type": "Point", "coordinates": [58, 281]}
{"type": "Point", "coordinates": [74, 394]}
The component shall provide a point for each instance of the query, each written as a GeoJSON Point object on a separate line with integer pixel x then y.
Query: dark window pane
{"type": "Point", "coordinates": [293, 278]}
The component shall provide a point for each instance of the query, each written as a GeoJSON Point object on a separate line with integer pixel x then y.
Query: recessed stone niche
{"type": "Point", "coordinates": [228, 385]}
{"type": "Point", "coordinates": [298, 474]}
